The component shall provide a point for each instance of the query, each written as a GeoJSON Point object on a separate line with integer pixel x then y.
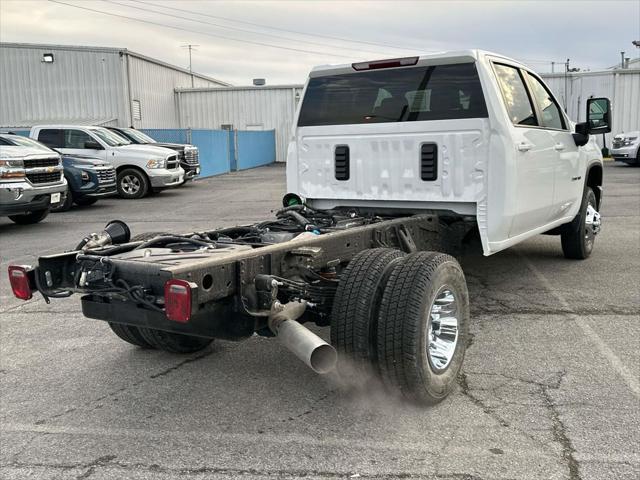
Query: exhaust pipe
{"type": "Point", "coordinates": [302, 342]}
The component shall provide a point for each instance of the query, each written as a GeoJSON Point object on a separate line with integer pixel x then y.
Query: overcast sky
{"type": "Point", "coordinates": [591, 34]}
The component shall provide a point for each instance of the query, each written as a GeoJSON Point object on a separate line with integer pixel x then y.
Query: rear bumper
{"type": "Point", "coordinates": [21, 197]}
{"type": "Point", "coordinates": [215, 320]}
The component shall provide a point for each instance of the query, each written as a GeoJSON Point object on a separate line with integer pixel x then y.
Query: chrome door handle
{"type": "Point", "coordinates": [524, 147]}
{"type": "Point", "coordinates": [558, 146]}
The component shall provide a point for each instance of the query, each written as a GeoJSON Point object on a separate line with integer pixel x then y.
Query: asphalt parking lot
{"type": "Point", "coordinates": [550, 386]}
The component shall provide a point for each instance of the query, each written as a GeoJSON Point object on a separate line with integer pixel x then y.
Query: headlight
{"type": "Point", "coordinates": [11, 169]}
{"type": "Point", "coordinates": [630, 141]}
{"type": "Point", "coordinates": [156, 163]}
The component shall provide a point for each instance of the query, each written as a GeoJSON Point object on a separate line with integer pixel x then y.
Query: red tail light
{"type": "Point", "coordinates": [19, 279]}
{"type": "Point", "coordinates": [177, 300]}
{"type": "Point", "coordinates": [392, 62]}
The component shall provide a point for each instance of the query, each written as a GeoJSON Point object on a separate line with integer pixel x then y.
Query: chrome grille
{"type": "Point", "coordinates": [106, 175]}
{"type": "Point", "coordinates": [191, 156]}
{"type": "Point", "coordinates": [172, 162]}
{"type": "Point", "coordinates": [44, 177]}
{"type": "Point", "coordinates": [41, 162]}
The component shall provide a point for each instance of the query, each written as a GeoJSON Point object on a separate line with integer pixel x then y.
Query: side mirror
{"type": "Point", "coordinates": [91, 145]}
{"type": "Point", "coordinates": [598, 115]}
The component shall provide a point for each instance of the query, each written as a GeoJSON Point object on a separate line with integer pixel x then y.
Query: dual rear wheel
{"type": "Point", "coordinates": [403, 318]}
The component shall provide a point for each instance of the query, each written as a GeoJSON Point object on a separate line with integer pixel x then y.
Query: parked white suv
{"type": "Point", "coordinates": [473, 136]}
{"type": "Point", "coordinates": [140, 168]}
{"type": "Point", "coordinates": [626, 148]}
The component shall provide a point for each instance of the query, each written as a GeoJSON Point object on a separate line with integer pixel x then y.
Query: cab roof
{"type": "Point", "coordinates": [439, 58]}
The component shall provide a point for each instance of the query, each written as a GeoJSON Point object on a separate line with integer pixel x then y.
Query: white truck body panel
{"type": "Point", "coordinates": [516, 180]}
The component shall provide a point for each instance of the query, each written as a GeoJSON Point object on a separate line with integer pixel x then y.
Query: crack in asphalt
{"type": "Point", "coordinates": [107, 461]}
{"type": "Point", "coordinates": [558, 430]}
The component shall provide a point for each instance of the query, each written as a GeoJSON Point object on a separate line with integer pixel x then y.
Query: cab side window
{"type": "Point", "coordinates": [515, 95]}
{"type": "Point", "coordinates": [51, 137]}
{"type": "Point", "coordinates": [76, 139]}
{"type": "Point", "coordinates": [548, 108]}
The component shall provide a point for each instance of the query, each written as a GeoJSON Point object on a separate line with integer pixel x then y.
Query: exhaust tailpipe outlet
{"type": "Point", "coordinates": [302, 342]}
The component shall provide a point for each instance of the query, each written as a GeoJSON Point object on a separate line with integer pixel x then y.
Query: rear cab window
{"type": "Point", "coordinates": [51, 137]}
{"type": "Point", "coordinates": [440, 92]}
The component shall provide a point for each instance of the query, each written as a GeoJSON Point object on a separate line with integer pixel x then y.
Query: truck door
{"type": "Point", "coordinates": [79, 142]}
{"type": "Point", "coordinates": [568, 179]}
{"type": "Point", "coordinates": [535, 156]}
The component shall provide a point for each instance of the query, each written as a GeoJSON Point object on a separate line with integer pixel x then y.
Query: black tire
{"type": "Point", "coordinates": [130, 334]}
{"type": "Point", "coordinates": [132, 184]}
{"type": "Point", "coordinates": [577, 237]}
{"type": "Point", "coordinates": [354, 314]}
{"type": "Point", "coordinates": [30, 218]}
{"type": "Point", "coordinates": [66, 205]}
{"type": "Point", "coordinates": [406, 361]}
{"type": "Point", "coordinates": [85, 201]}
{"type": "Point", "coordinates": [173, 342]}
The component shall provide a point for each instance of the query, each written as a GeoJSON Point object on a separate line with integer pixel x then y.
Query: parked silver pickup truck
{"type": "Point", "coordinates": [31, 183]}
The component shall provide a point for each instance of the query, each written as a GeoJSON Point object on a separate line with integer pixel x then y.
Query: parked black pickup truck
{"type": "Point", "coordinates": [188, 154]}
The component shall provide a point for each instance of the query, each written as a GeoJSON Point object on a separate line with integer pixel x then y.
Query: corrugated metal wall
{"type": "Point", "coordinates": [243, 108]}
{"type": "Point", "coordinates": [622, 87]}
{"type": "Point", "coordinates": [79, 86]}
{"type": "Point", "coordinates": [153, 85]}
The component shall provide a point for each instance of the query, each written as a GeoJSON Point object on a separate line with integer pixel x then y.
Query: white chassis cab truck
{"type": "Point", "coordinates": [387, 159]}
{"type": "Point", "coordinates": [140, 169]}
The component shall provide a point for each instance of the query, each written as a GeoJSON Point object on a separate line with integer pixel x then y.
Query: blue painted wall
{"type": "Point", "coordinates": [214, 151]}
{"type": "Point", "coordinates": [256, 148]}
{"type": "Point", "coordinates": [220, 151]}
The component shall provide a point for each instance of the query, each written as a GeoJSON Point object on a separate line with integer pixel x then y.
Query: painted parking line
{"type": "Point", "coordinates": [603, 348]}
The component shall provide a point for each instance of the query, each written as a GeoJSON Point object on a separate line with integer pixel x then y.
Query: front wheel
{"type": "Point", "coordinates": [30, 218]}
{"type": "Point", "coordinates": [578, 236]}
{"type": "Point", "coordinates": [423, 325]}
{"type": "Point", "coordinates": [132, 184]}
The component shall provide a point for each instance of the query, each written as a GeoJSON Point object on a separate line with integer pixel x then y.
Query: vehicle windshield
{"type": "Point", "coordinates": [110, 138]}
{"type": "Point", "coordinates": [25, 142]}
{"type": "Point", "coordinates": [439, 92]}
{"type": "Point", "coordinates": [138, 136]}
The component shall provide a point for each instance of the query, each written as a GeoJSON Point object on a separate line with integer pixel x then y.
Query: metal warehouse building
{"type": "Point", "coordinates": [242, 108]}
{"type": "Point", "coordinates": [89, 85]}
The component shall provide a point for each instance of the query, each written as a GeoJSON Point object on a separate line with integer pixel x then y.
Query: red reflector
{"type": "Point", "coordinates": [392, 62]}
{"type": "Point", "coordinates": [177, 300]}
{"type": "Point", "coordinates": [19, 279]}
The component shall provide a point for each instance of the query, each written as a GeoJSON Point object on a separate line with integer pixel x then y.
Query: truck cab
{"type": "Point", "coordinates": [140, 168]}
{"type": "Point", "coordinates": [469, 134]}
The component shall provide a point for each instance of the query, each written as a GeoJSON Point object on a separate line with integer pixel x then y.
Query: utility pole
{"type": "Point", "coordinates": [566, 77]}
{"type": "Point", "coordinates": [191, 47]}
{"type": "Point", "coordinates": [553, 67]}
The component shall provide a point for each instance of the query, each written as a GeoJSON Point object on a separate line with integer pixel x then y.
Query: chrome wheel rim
{"type": "Point", "coordinates": [130, 184]}
{"type": "Point", "coordinates": [442, 335]}
{"type": "Point", "coordinates": [591, 225]}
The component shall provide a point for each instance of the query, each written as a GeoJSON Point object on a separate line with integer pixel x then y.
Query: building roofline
{"type": "Point", "coordinates": [121, 51]}
{"type": "Point", "coordinates": [239, 88]}
{"type": "Point", "coordinates": [621, 71]}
